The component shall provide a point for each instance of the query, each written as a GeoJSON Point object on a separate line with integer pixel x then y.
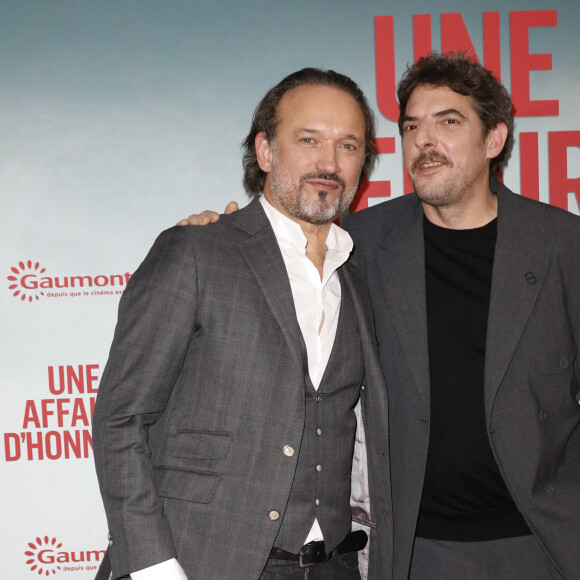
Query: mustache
{"type": "Point", "coordinates": [430, 157]}
{"type": "Point", "coordinates": [324, 175]}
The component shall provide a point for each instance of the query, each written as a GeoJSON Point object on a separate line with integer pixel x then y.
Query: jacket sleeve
{"type": "Point", "coordinates": [156, 319]}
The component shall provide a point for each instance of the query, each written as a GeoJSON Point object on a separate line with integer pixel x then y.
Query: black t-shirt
{"type": "Point", "coordinates": [464, 496]}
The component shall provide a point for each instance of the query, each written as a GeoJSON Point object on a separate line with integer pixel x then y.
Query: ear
{"type": "Point", "coordinates": [496, 140]}
{"type": "Point", "coordinates": [264, 152]}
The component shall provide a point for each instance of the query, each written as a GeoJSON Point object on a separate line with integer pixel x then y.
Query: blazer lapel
{"type": "Point", "coordinates": [520, 264]}
{"type": "Point", "coordinates": [401, 267]}
{"type": "Point", "coordinates": [375, 432]}
{"type": "Point", "coordinates": [264, 259]}
{"type": "Point", "coordinates": [353, 282]}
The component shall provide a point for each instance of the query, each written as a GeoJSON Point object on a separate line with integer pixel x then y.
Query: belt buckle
{"type": "Point", "coordinates": [311, 554]}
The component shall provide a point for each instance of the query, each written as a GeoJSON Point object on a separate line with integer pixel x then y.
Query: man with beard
{"type": "Point", "coordinates": [225, 423]}
{"type": "Point", "coordinates": [476, 299]}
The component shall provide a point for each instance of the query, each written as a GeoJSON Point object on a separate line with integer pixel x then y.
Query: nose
{"type": "Point", "coordinates": [327, 159]}
{"type": "Point", "coordinates": [425, 137]}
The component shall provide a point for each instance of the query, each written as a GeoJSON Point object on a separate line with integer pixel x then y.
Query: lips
{"type": "Point", "coordinates": [429, 162]}
{"type": "Point", "coordinates": [324, 181]}
{"type": "Point", "coordinates": [320, 184]}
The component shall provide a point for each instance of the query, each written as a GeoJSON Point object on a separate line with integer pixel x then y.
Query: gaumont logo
{"type": "Point", "coordinates": [29, 281]}
{"type": "Point", "coordinates": [47, 557]}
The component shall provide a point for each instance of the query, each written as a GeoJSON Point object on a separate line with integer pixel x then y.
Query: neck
{"type": "Point", "coordinates": [472, 213]}
{"type": "Point", "coordinates": [316, 244]}
{"type": "Point", "coordinates": [315, 234]}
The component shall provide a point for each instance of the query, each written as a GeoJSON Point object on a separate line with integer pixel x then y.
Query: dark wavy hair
{"type": "Point", "coordinates": [266, 119]}
{"type": "Point", "coordinates": [463, 74]}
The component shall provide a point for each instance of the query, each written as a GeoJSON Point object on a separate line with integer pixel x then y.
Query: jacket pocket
{"type": "Point", "coordinates": [194, 486]}
{"type": "Point", "coordinates": [200, 445]}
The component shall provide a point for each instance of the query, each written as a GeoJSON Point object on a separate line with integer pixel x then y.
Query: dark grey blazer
{"type": "Point", "coordinates": [203, 389]}
{"type": "Point", "coordinates": [532, 369]}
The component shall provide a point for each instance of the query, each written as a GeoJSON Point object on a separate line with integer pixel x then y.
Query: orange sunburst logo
{"type": "Point", "coordinates": [41, 556]}
{"type": "Point", "coordinates": [20, 281]}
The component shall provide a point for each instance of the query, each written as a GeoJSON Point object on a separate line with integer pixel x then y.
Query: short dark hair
{"type": "Point", "coordinates": [266, 120]}
{"type": "Point", "coordinates": [464, 75]}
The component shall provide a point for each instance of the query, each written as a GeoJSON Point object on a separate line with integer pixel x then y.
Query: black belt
{"type": "Point", "coordinates": [315, 552]}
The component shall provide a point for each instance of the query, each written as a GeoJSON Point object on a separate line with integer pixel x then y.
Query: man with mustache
{"type": "Point", "coordinates": [476, 299]}
{"type": "Point", "coordinates": [225, 423]}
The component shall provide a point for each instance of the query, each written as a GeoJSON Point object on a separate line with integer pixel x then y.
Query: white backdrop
{"type": "Point", "coordinates": [119, 118]}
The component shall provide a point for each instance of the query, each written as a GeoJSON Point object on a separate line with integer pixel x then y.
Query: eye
{"type": "Point", "coordinates": [307, 140]}
{"type": "Point", "coordinates": [349, 146]}
{"type": "Point", "coordinates": [408, 128]}
{"type": "Point", "coordinates": [451, 121]}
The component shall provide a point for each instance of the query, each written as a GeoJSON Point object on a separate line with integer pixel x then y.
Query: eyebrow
{"type": "Point", "coordinates": [438, 115]}
{"type": "Point", "coordinates": [449, 112]}
{"type": "Point", "coordinates": [348, 137]}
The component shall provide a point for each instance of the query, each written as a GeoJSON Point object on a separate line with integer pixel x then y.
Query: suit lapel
{"type": "Point", "coordinates": [351, 281]}
{"type": "Point", "coordinates": [262, 253]}
{"type": "Point", "coordinates": [401, 267]}
{"type": "Point", "coordinates": [520, 264]}
{"type": "Point", "coordinates": [375, 411]}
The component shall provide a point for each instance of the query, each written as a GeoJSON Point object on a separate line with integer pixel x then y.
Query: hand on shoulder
{"type": "Point", "coordinates": [207, 216]}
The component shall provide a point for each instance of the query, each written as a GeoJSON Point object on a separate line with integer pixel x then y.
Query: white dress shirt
{"type": "Point", "coordinates": [317, 304]}
{"type": "Point", "coordinates": [317, 301]}
{"type": "Point", "coordinates": [168, 570]}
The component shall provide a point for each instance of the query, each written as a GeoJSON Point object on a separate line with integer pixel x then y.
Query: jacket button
{"type": "Point", "coordinates": [550, 489]}
{"type": "Point", "coordinates": [542, 416]}
{"type": "Point", "coordinates": [319, 467]}
{"type": "Point", "coordinates": [531, 278]}
{"type": "Point", "coordinates": [564, 363]}
{"type": "Point", "coordinates": [274, 515]}
{"type": "Point", "coordinates": [289, 451]}
{"type": "Point", "coordinates": [317, 502]}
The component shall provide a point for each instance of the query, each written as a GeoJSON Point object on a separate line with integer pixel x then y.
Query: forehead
{"type": "Point", "coordinates": [431, 99]}
{"type": "Point", "coordinates": [321, 107]}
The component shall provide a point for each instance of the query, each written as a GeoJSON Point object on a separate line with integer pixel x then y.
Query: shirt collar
{"type": "Point", "coordinates": [289, 233]}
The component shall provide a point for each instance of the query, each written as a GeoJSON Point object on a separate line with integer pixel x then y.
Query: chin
{"type": "Point", "coordinates": [433, 196]}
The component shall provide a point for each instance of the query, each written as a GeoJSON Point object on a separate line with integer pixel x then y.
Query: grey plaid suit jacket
{"type": "Point", "coordinates": [203, 388]}
{"type": "Point", "coordinates": [532, 367]}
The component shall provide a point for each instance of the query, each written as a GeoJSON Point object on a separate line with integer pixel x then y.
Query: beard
{"type": "Point", "coordinates": [291, 196]}
{"type": "Point", "coordinates": [437, 193]}
{"type": "Point", "coordinates": [456, 185]}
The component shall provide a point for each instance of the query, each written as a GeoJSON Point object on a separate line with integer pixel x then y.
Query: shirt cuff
{"type": "Point", "coordinates": [168, 570]}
